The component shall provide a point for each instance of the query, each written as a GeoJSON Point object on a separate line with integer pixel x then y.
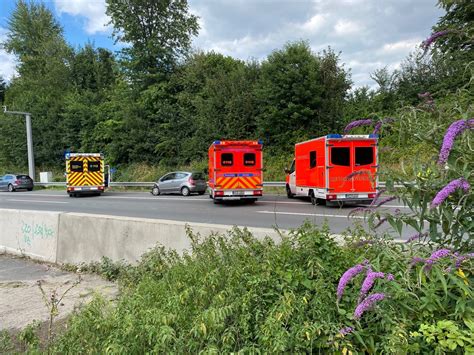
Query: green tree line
{"type": "Point", "coordinates": [158, 101]}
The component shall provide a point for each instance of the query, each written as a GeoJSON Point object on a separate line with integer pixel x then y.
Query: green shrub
{"type": "Point", "coordinates": [236, 293]}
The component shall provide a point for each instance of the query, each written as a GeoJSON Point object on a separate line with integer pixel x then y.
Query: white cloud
{"type": "Point", "coordinates": [314, 23]}
{"type": "Point", "coordinates": [401, 46]}
{"type": "Point", "coordinates": [7, 61]}
{"type": "Point", "coordinates": [346, 27]}
{"type": "Point", "coordinates": [92, 10]}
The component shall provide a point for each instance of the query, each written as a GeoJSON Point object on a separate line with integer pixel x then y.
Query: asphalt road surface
{"type": "Point", "coordinates": [270, 211]}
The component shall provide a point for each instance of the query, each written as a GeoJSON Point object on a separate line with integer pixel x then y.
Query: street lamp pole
{"type": "Point", "coordinates": [29, 139]}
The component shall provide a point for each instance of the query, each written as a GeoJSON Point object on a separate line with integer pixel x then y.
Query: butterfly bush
{"type": "Point", "coordinates": [453, 131]}
{"type": "Point", "coordinates": [449, 189]}
{"type": "Point", "coordinates": [367, 304]}
{"type": "Point", "coordinates": [348, 276]}
{"type": "Point", "coordinates": [369, 282]}
{"type": "Point", "coordinates": [431, 39]}
{"type": "Point", "coordinates": [358, 123]}
{"type": "Point", "coordinates": [346, 330]}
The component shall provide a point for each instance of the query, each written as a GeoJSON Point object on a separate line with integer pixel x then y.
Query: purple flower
{"type": "Point", "coordinates": [367, 304]}
{"type": "Point", "coordinates": [379, 124]}
{"type": "Point", "coordinates": [358, 123]}
{"type": "Point", "coordinates": [355, 173]}
{"type": "Point", "coordinates": [390, 277]}
{"type": "Point", "coordinates": [377, 195]}
{"type": "Point", "coordinates": [461, 258]}
{"type": "Point", "coordinates": [438, 254]}
{"type": "Point", "coordinates": [385, 200]}
{"type": "Point", "coordinates": [429, 41]}
{"type": "Point", "coordinates": [348, 276]}
{"type": "Point", "coordinates": [417, 260]}
{"type": "Point", "coordinates": [381, 221]}
{"type": "Point", "coordinates": [369, 282]}
{"type": "Point", "coordinates": [448, 190]}
{"type": "Point", "coordinates": [416, 236]}
{"type": "Point", "coordinates": [346, 330]}
{"type": "Point", "coordinates": [453, 131]}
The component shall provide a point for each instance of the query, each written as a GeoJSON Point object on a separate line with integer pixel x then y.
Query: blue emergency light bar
{"type": "Point", "coordinates": [334, 135]}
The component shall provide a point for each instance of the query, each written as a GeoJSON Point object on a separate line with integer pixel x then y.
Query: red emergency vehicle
{"type": "Point", "coordinates": [235, 170]}
{"type": "Point", "coordinates": [335, 169]}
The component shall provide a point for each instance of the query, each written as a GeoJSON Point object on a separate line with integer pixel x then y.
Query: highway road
{"type": "Point", "coordinates": [271, 211]}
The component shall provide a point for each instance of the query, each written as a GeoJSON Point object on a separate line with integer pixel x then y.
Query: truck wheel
{"type": "Point", "coordinates": [288, 192]}
{"type": "Point", "coordinates": [185, 191]}
{"type": "Point", "coordinates": [11, 188]}
{"type": "Point", "coordinates": [314, 200]}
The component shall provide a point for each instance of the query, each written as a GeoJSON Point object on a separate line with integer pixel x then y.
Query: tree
{"type": "Point", "coordinates": [159, 33]}
{"type": "Point", "coordinates": [36, 39]}
{"type": "Point", "coordinates": [3, 87]}
{"type": "Point", "coordinates": [300, 95]}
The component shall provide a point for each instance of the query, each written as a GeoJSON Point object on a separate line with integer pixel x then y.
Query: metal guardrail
{"type": "Point", "coordinates": [150, 184]}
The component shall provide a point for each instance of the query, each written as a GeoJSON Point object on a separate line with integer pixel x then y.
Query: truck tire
{"type": "Point", "coordinates": [288, 192]}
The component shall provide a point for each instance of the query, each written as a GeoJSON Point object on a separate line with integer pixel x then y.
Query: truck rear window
{"type": "Point", "coordinates": [341, 156]}
{"type": "Point", "coordinates": [76, 166]}
{"type": "Point", "coordinates": [249, 159]}
{"type": "Point", "coordinates": [364, 156]}
{"type": "Point", "coordinates": [93, 166]}
{"type": "Point", "coordinates": [227, 159]}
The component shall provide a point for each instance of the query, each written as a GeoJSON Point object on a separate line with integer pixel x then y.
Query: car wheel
{"type": "Point", "coordinates": [155, 191]}
{"type": "Point", "coordinates": [185, 191]}
{"type": "Point", "coordinates": [288, 192]}
{"type": "Point", "coordinates": [11, 188]}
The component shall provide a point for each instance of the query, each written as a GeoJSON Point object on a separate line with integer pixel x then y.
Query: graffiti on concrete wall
{"type": "Point", "coordinates": [35, 231]}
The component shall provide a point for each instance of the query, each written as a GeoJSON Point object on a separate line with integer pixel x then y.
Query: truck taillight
{"type": "Point", "coordinates": [257, 192]}
{"type": "Point", "coordinates": [371, 195]}
{"type": "Point", "coordinates": [331, 197]}
{"type": "Point", "coordinates": [219, 193]}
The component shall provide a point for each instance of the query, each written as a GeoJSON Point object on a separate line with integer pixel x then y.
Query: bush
{"type": "Point", "coordinates": [235, 293]}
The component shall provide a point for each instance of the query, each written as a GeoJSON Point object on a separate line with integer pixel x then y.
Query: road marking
{"type": "Point", "coordinates": [37, 201]}
{"type": "Point", "coordinates": [309, 214]}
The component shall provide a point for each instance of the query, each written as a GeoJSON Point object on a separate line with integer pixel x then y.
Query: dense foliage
{"type": "Point", "coordinates": [235, 293]}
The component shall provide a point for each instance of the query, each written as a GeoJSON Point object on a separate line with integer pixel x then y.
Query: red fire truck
{"type": "Point", "coordinates": [235, 170]}
{"type": "Point", "coordinates": [335, 169]}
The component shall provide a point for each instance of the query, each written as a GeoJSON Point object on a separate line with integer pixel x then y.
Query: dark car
{"type": "Point", "coordinates": [12, 182]}
{"type": "Point", "coordinates": [181, 182]}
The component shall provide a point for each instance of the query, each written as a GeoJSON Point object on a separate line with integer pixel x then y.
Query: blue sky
{"type": "Point", "coordinates": [370, 34]}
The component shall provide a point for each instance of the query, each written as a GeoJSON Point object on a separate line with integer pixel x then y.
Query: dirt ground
{"type": "Point", "coordinates": [22, 302]}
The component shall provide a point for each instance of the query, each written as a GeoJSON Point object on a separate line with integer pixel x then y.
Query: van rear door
{"type": "Point", "coordinates": [339, 166]}
{"type": "Point", "coordinates": [364, 166]}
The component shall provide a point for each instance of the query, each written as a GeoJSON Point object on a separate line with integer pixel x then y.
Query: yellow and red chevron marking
{"type": "Point", "coordinates": [75, 179]}
{"type": "Point", "coordinates": [249, 182]}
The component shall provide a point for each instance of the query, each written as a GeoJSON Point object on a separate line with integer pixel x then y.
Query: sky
{"type": "Point", "coordinates": [370, 34]}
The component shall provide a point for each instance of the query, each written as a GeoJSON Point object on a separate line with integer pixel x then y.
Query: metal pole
{"type": "Point", "coordinates": [29, 139]}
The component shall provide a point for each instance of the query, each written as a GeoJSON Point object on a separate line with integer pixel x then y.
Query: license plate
{"type": "Point", "coordinates": [238, 193]}
{"type": "Point", "coordinates": [352, 196]}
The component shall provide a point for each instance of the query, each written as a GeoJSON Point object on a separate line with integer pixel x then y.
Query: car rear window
{"type": "Point", "coordinates": [93, 166]}
{"type": "Point", "coordinates": [197, 176]}
{"type": "Point", "coordinates": [76, 166]}
{"type": "Point", "coordinates": [227, 159]}
{"type": "Point", "coordinates": [341, 156]}
{"type": "Point", "coordinates": [23, 177]}
{"type": "Point", "coordinates": [364, 156]}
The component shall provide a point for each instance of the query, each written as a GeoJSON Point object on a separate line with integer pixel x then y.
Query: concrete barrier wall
{"type": "Point", "coordinates": [30, 233]}
{"type": "Point", "coordinates": [76, 237]}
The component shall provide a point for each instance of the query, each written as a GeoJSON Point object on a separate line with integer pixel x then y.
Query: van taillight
{"type": "Point", "coordinates": [257, 192]}
{"type": "Point", "coordinates": [331, 197]}
{"type": "Point", "coordinates": [372, 195]}
{"type": "Point", "coordinates": [219, 193]}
